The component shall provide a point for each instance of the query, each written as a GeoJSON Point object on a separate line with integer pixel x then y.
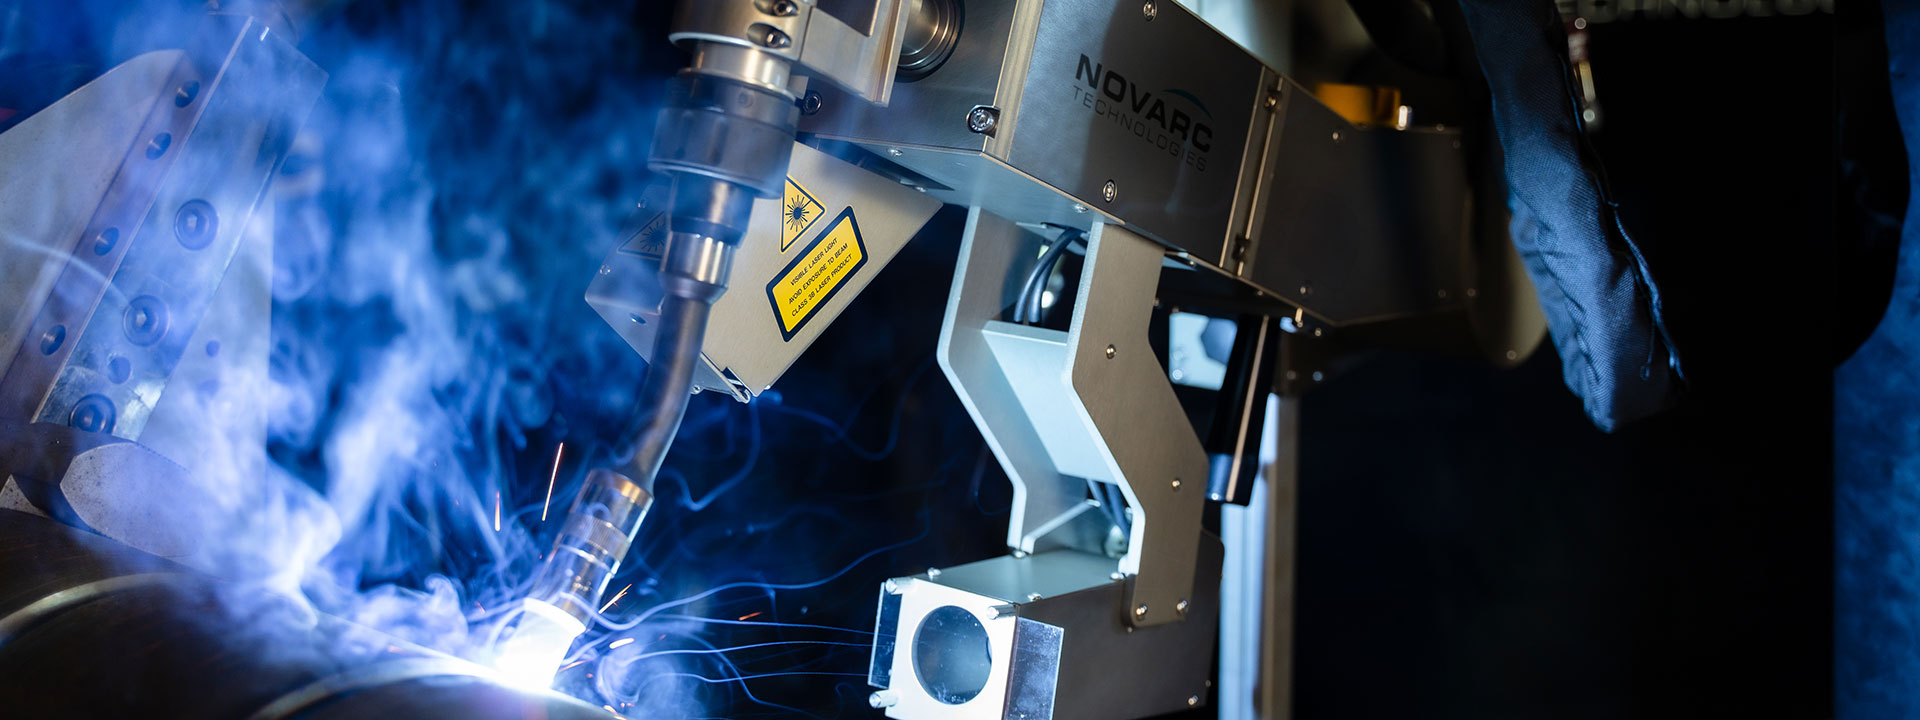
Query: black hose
{"type": "Point", "coordinates": [1026, 310]}
{"type": "Point", "coordinates": [669, 383]}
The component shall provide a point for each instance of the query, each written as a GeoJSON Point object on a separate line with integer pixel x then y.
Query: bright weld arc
{"type": "Point", "coordinates": [550, 478]}
{"type": "Point", "coordinates": [496, 511]}
{"type": "Point", "coordinates": [622, 642]}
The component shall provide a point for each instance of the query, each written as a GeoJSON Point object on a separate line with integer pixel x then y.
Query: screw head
{"type": "Point", "coordinates": [1116, 576]}
{"type": "Point", "coordinates": [881, 699]}
{"type": "Point", "coordinates": [982, 119]}
{"type": "Point", "coordinates": [785, 8]}
{"type": "Point", "coordinates": [1180, 607]}
{"type": "Point", "coordinates": [1111, 351]}
{"type": "Point", "coordinates": [1140, 611]}
{"type": "Point", "coordinates": [933, 572]}
{"type": "Point", "coordinates": [1193, 701]}
{"type": "Point", "coordinates": [51, 341]}
{"type": "Point", "coordinates": [896, 152]}
{"type": "Point", "coordinates": [1109, 191]}
{"type": "Point", "coordinates": [158, 145]}
{"type": "Point", "coordinates": [94, 413]}
{"type": "Point", "coordinates": [145, 321]}
{"type": "Point", "coordinates": [1077, 207]}
{"type": "Point", "coordinates": [776, 39]}
{"type": "Point", "coordinates": [810, 104]}
{"type": "Point", "coordinates": [1176, 484]}
{"type": "Point", "coordinates": [1033, 596]}
{"type": "Point", "coordinates": [1336, 136]}
{"type": "Point", "coordinates": [1273, 100]}
{"type": "Point", "coordinates": [195, 224]}
{"type": "Point", "coordinates": [104, 242]}
{"type": "Point", "coordinates": [184, 96]}
{"type": "Point", "coordinates": [1150, 9]}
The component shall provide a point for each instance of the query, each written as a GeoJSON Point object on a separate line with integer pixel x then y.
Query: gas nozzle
{"type": "Point", "coordinates": [600, 526]}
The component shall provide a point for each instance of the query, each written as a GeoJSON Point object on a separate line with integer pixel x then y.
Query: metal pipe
{"type": "Point", "coordinates": [93, 628]}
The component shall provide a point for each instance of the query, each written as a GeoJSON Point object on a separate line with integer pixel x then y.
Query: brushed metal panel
{"type": "Point", "coordinates": [1111, 95]}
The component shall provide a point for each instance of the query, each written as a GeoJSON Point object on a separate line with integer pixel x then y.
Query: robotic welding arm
{"type": "Point", "coordinates": [723, 141]}
{"type": "Point", "coordinates": [1214, 184]}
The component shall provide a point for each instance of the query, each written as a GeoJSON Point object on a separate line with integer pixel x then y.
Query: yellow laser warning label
{"type": "Point", "coordinates": [816, 273]}
{"type": "Point", "coordinates": [650, 241]}
{"type": "Point", "coordinates": [800, 212]}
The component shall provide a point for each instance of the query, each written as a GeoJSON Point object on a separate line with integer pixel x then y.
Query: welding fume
{"type": "Point", "coordinates": [302, 416]}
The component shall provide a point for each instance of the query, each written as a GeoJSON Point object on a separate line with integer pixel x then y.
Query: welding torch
{"type": "Point", "coordinates": [724, 139]}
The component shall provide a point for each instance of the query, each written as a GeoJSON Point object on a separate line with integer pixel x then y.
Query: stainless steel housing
{"type": "Point", "coordinates": [1104, 113]}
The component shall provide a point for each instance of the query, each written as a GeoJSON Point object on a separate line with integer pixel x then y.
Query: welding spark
{"type": "Point", "coordinates": [571, 665]}
{"type": "Point", "coordinates": [616, 597]}
{"type": "Point", "coordinates": [619, 643]}
{"type": "Point", "coordinates": [550, 478]}
{"type": "Point", "coordinates": [496, 512]}
{"type": "Point", "coordinates": [752, 615]}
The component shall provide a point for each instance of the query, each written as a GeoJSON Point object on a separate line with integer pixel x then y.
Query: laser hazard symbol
{"type": "Point", "coordinates": [816, 273]}
{"type": "Point", "coordinates": [799, 211]}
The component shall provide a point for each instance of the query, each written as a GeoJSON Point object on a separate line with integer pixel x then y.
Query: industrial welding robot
{"type": "Point", "coordinates": [1130, 172]}
{"type": "Point", "coordinates": [806, 143]}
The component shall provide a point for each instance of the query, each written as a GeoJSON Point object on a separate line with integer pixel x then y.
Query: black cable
{"type": "Point", "coordinates": [1026, 310]}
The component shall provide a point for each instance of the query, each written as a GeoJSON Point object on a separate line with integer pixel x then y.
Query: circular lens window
{"type": "Point", "coordinates": [951, 656]}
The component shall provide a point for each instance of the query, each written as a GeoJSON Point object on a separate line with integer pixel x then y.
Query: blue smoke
{"type": "Point", "coordinates": [435, 375]}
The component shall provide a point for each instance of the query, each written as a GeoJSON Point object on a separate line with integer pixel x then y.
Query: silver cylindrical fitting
{"type": "Point", "coordinates": [749, 65]}
{"type": "Point", "coordinates": [698, 257]}
{"type": "Point", "coordinates": [599, 528]}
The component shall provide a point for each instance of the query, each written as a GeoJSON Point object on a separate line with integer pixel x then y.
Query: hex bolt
{"type": "Point", "coordinates": [158, 145]}
{"type": "Point", "coordinates": [145, 321]}
{"type": "Point", "coordinates": [1109, 191]}
{"type": "Point", "coordinates": [105, 241]}
{"type": "Point", "coordinates": [1150, 9]}
{"type": "Point", "coordinates": [983, 118]}
{"type": "Point", "coordinates": [93, 413]}
{"type": "Point", "coordinates": [1140, 613]}
{"type": "Point", "coordinates": [1111, 351]}
{"type": "Point", "coordinates": [195, 224]}
{"type": "Point", "coordinates": [51, 341]}
{"type": "Point", "coordinates": [810, 104]}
